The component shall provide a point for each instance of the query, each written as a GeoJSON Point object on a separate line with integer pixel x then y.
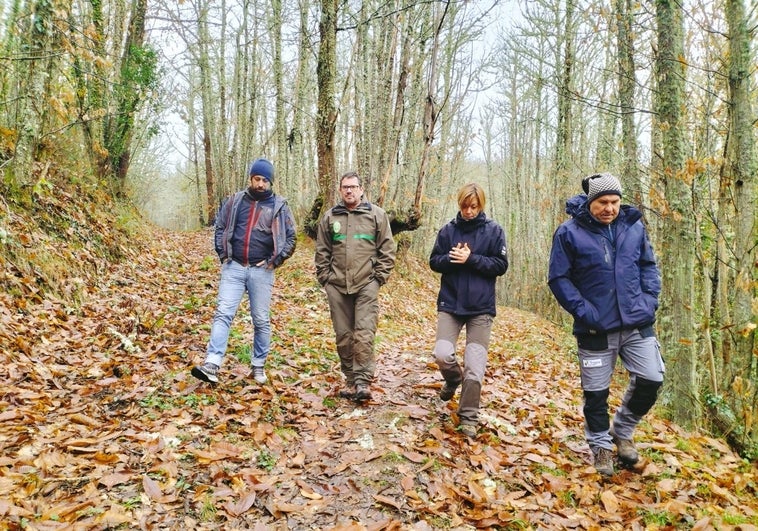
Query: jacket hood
{"type": "Point", "coordinates": [575, 205]}
{"type": "Point", "coordinates": [578, 208]}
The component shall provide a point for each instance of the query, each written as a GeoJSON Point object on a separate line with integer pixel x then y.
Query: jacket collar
{"type": "Point", "coordinates": [578, 208]}
{"type": "Point", "coordinates": [363, 206]}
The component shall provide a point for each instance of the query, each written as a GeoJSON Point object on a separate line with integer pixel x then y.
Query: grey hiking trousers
{"type": "Point", "coordinates": [478, 330]}
{"type": "Point", "coordinates": [640, 355]}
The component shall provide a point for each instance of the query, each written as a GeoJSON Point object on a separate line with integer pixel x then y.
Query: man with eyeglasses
{"type": "Point", "coordinates": [355, 254]}
{"type": "Point", "coordinates": [603, 272]}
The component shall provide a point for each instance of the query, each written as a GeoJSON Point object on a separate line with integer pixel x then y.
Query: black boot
{"type": "Point", "coordinates": [453, 379]}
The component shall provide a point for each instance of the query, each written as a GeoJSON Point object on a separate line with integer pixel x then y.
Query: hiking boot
{"type": "Point", "coordinates": [469, 430]}
{"type": "Point", "coordinates": [362, 392]}
{"type": "Point", "coordinates": [259, 375]}
{"type": "Point", "coordinates": [604, 461]}
{"type": "Point", "coordinates": [348, 391]}
{"type": "Point", "coordinates": [207, 372]}
{"type": "Point", "coordinates": [626, 451]}
{"type": "Point", "coordinates": [447, 391]}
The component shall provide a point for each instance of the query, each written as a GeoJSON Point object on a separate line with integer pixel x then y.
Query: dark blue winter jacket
{"type": "Point", "coordinates": [605, 276]}
{"type": "Point", "coordinates": [469, 289]}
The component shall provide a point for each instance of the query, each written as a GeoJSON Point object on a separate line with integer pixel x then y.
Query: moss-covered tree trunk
{"type": "Point", "coordinates": [740, 377]}
{"type": "Point", "coordinates": [565, 87]}
{"type": "Point", "coordinates": [137, 74]}
{"type": "Point", "coordinates": [33, 78]}
{"type": "Point", "coordinates": [326, 118]}
{"type": "Point", "coordinates": [676, 321]}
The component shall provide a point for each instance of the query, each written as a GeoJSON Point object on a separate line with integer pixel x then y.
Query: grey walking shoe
{"type": "Point", "coordinates": [627, 453]}
{"type": "Point", "coordinates": [469, 430]}
{"type": "Point", "coordinates": [604, 461]}
{"type": "Point", "coordinates": [362, 392]}
{"type": "Point", "coordinates": [259, 375]}
{"type": "Point", "coordinates": [207, 372]}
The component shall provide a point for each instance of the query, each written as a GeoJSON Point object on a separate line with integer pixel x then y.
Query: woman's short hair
{"type": "Point", "coordinates": [471, 191]}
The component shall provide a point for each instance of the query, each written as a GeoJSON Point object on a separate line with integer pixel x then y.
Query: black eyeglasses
{"type": "Point", "coordinates": [350, 186]}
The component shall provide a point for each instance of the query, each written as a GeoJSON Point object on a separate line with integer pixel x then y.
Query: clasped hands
{"type": "Point", "coordinates": [460, 253]}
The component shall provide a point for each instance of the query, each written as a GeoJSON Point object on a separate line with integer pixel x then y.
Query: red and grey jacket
{"type": "Point", "coordinates": [276, 231]}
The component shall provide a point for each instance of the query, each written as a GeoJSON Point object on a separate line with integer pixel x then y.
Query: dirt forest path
{"type": "Point", "coordinates": [104, 428]}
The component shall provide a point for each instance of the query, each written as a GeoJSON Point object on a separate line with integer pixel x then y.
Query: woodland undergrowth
{"type": "Point", "coordinates": [102, 426]}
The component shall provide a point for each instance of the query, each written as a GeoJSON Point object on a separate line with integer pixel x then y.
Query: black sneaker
{"type": "Point", "coordinates": [207, 372]}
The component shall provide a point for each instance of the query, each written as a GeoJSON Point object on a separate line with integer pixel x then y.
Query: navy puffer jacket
{"type": "Point", "coordinates": [605, 276]}
{"type": "Point", "coordinates": [469, 289]}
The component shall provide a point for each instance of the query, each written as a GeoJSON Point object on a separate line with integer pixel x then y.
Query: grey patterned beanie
{"type": "Point", "coordinates": [600, 184]}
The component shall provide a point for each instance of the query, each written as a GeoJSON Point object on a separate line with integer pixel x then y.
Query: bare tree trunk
{"type": "Point", "coordinates": [204, 72]}
{"type": "Point", "coordinates": [398, 113]}
{"type": "Point", "coordinates": [627, 84]}
{"type": "Point", "coordinates": [195, 173]}
{"type": "Point", "coordinates": [223, 151]}
{"type": "Point", "coordinates": [430, 114]}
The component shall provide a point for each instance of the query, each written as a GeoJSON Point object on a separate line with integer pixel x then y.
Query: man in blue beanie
{"type": "Point", "coordinates": [603, 272]}
{"type": "Point", "coordinates": [255, 234]}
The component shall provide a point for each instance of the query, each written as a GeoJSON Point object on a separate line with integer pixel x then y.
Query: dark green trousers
{"type": "Point", "coordinates": [354, 318]}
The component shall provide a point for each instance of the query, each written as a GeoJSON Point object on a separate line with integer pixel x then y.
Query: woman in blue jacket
{"type": "Point", "coordinates": [470, 252]}
{"type": "Point", "coordinates": [603, 272]}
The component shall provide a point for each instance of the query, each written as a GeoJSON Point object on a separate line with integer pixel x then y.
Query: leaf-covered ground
{"type": "Point", "coordinates": [102, 426]}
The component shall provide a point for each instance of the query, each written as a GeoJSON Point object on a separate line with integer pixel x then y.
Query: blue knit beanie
{"type": "Point", "coordinates": [262, 167]}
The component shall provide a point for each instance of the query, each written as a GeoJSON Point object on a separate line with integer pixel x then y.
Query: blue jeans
{"type": "Point", "coordinates": [235, 280]}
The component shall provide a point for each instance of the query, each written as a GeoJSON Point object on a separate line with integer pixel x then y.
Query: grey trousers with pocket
{"type": "Point", "coordinates": [478, 330]}
{"type": "Point", "coordinates": [640, 355]}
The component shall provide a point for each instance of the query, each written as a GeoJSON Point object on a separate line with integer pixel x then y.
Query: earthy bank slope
{"type": "Point", "coordinates": [102, 427]}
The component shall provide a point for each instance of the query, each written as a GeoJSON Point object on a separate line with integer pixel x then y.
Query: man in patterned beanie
{"type": "Point", "coordinates": [603, 272]}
